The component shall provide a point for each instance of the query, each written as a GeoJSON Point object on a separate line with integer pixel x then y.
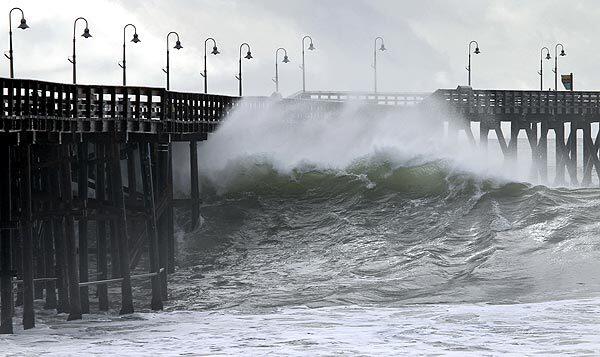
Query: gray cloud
{"type": "Point", "coordinates": [427, 42]}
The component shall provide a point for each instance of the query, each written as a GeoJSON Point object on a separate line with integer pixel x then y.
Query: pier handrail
{"type": "Point", "coordinates": [519, 102]}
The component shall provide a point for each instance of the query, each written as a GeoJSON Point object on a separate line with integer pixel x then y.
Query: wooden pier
{"type": "Point", "coordinates": [86, 186]}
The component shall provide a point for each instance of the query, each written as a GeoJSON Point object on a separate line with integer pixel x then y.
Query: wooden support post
{"type": "Point", "coordinates": [513, 143]}
{"type": "Point", "coordinates": [532, 138]}
{"type": "Point", "coordinates": [543, 152]}
{"type": "Point", "coordinates": [82, 189]}
{"type": "Point", "coordinates": [121, 230]}
{"type": "Point", "coordinates": [131, 179]}
{"type": "Point", "coordinates": [483, 136]}
{"type": "Point", "coordinates": [50, 285]}
{"type": "Point", "coordinates": [501, 140]}
{"type": "Point", "coordinates": [47, 243]}
{"type": "Point", "coordinates": [38, 254]}
{"type": "Point", "coordinates": [469, 133]}
{"type": "Point", "coordinates": [571, 154]}
{"type": "Point", "coordinates": [58, 234]}
{"type": "Point", "coordinates": [16, 234]}
{"type": "Point", "coordinates": [26, 227]}
{"type": "Point", "coordinates": [559, 131]}
{"type": "Point", "coordinates": [115, 266]}
{"type": "Point", "coordinates": [587, 154]}
{"type": "Point", "coordinates": [101, 243]}
{"type": "Point", "coordinates": [194, 190]}
{"type": "Point", "coordinates": [70, 242]}
{"type": "Point", "coordinates": [534, 150]}
{"type": "Point", "coordinates": [6, 274]}
{"type": "Point", "coordinates": [163, 221]}
{"type": "Point", "coordinates": [151, 223]}
{"type": "Point", "coordinates": [170, 213]}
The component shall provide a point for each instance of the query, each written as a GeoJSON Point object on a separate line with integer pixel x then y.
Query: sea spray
{"type": "Point", "coordinates": [404, 137]}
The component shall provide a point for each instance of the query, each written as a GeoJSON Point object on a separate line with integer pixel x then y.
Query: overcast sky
{"type": "Point", "coordinates": [426, 40]}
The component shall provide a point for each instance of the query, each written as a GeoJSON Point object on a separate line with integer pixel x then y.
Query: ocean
{"type": "Point", "coordinates": [360, 236]}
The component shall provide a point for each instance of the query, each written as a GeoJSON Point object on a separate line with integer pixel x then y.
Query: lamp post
{"type": "Point", "coordinates": [135, 39]}
{"type": "Point", "coordinates": [562, 54]}
{"type": "Point", "coordinates": [86, 34]}
{"type": "Point", "coordinates": [541, 72]}
{"type": "Point", "coordinates": [248, 56]}
{"type": "Point", "coordinates": [311, 47]}
{"type": "Point", "coordinates": [475, 52]}
{"type": "Point", "coordinates": [22, 26]}
{"type": "Point", "coordinates": [177, 46]}
{"type": "Point", "coordinates": [381, 48]}
{"type": "Point", "coordinates": [215, 51]}
{"type": "Point", "coordinates": [285, 60]}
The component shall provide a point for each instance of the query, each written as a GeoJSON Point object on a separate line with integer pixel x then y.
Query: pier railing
{"type": "Point", "coordinates": [49, 111]}
{"type": "Point", "coordinates": [393, 99]}
{"type": "Point", "coordinates": [54, 107]}
{"type": "Point", "coordinates": [512, 102]}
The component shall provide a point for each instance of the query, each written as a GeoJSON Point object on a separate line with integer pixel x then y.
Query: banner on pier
{"type": "Point", "coordinates": [567, 81]}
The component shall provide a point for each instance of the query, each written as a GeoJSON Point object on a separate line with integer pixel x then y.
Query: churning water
{"type": "Point", "coordinates": [362, 236]}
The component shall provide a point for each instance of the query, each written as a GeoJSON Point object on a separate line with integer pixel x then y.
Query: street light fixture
{"type": "Point", "coordinates": [248, 56]}
{"type": "Point", "coordinates": [23, 26]}
{"type": "Point", "coordinates": [311, 47]}
{"type": "Point", "coordinates": [177, 46]}
{"type": "Point", "coordinates": [285, 60]}
{"type": "Point", "coordinates": [381, 48]}
{"type": "Point", "coordinates": [86, 34]}
{"type": "Point", "coordinates": [562, 54]}
{"type": "Point", "coordinates": [477, 51]}
{"type": "Point", "coordinates": [215, 51]}
{"type": "Point", "coordinates": [541, 71]}
{"type": "Point", "coordinates": [134, 39]}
